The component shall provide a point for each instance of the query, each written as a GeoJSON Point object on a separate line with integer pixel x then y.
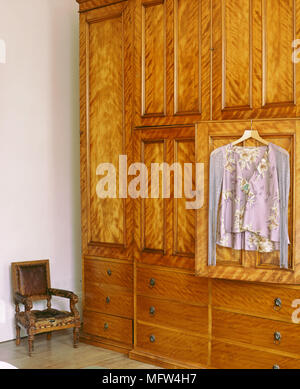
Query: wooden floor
{"type": "Point", "coordinates": [58, 353]}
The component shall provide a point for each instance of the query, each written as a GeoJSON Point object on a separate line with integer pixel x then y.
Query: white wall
{"type": "Point", "coordinates": [39, 145]}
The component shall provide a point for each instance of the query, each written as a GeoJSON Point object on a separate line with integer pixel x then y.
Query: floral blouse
{"type": "Point", "coordinates": [247, 215]}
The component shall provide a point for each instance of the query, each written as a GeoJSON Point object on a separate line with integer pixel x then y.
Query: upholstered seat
{"type": "Point", "coordinates": [31, 281]}
{"type": "Point", "coordinates": [48, 318]}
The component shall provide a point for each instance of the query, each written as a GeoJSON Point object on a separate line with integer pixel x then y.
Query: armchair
{"type": "Point", "coordinates": [31, 282]}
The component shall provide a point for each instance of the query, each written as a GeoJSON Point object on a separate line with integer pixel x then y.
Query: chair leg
{"type": "Point", "coordinates": [30, 344]}
{"type": "Point", "coordinates": [18, 337]}
{"type": "Point", "coordinates": [75, 337]}
{"type": "Point", "coordinates": [49, 334]}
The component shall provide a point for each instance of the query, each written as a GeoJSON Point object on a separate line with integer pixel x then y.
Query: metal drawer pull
{"type": "Point", "coordinates": [105, 326]}
{"type": "Point", "coordinates": [109, 272]}
{"type": "Point", "coordinates": [152, 282]}
{"type": "Point", "coordinates": [152, 338]}
{"type": "Point", "coordinates": [277, 337]}
{"type": "Point", "coordinates": [277, 304]}
{"type": "Point", "coordinates": [52, 320]}
{"type": "Point", "coordinates": [276, 367]}
{"type": "Point", "coordinates": [152, 310]}
{"type": "Point", "coordinates": [107, 300]}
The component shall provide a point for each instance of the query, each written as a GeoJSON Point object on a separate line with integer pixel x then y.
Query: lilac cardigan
{"type": "Point", "coordinates": [215, 188]}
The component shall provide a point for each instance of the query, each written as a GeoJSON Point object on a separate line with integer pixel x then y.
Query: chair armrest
{"type": "Point", "coordinates": [69, 295]}
{"type": "Point", "coordinates": [27, 301]}
{"type": "Point", "coordinates": [63, 293]}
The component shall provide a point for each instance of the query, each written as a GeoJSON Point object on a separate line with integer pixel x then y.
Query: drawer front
{"type": "Point", "coordinates": [172, 344]}
{"type": "Point", "coordinates": [229, 356]}
{"type": "Point", "coordinates": [101, 272]}
{"type": "Point", "coordinates": [277, 335]}
{"type": "Point", "coordinates": [110, 300]}
{"type": "Point", "coordinates": [273, 302]}
{"type": "Point", "coordinates": [173, 314]}
{"type": "Point", "coordinates": [172, 285]}
{"type": "Point", "coordinates": [109, 327]}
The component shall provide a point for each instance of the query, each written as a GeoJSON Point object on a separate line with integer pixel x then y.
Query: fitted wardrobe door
{"type": "Point", "coordinates": [106, 36]}
{"type": "Point", "coordinates": [253, 71]}
{"type": "Point", "coordinates": [172, 61]}
{"type": "Point", "coordinates": [164, 231]}
{"type": "Point", "coordinates": [240, 264]}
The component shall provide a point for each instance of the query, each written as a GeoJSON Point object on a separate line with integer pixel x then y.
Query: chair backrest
{"type": "Point", "coordinates": [31, 278]}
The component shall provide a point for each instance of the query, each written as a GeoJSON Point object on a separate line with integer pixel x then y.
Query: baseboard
{"type": "Point", "coordinates": [160, 361]}
{"type": "Point", "coordinates": [105, 343]}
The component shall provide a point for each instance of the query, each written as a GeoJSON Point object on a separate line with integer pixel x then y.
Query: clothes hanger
{"type": "Point", "coordinates": [250, 134]}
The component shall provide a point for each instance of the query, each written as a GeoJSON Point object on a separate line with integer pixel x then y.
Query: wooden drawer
{"type": "Point", "coordinates": [172, 344]}
{"type": "Point", "coordinates": [111, 300]}
{"type": "Point", "coordinates": [172, 286]}
{"type": "Point", "coordinates": [100, 271]}
{"type": "Point", "coordinates": [106, 326]}
{"type": "Point", "coordinates": [256, 331]}
{"type": "Point", "coordinates": [173, 314]}
{"type": "Point", "coordinates": [229, 356]}
{"type": "Point", "coordinates": [257, 300]}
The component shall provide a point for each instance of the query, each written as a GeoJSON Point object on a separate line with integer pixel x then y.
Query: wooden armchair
{"type": "Point", "coordinates": [31, 282]}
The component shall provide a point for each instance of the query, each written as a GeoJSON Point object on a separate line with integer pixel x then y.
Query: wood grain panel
{"type": "Point", "coordinates": [278, 24]}
{"type": "Point", "coordinates": [252, 299]}
{"type": "Point", "coordinates": [154, 58]}
{"type": "Point", "coordinates": [118, 329]}
{"type": "Point", "coordinates": [153, 221]}
{"type": "Point", "coordinates": [252, 266]}
{"type": "Point", "coordinates": [236, 53]}
{"type": "Point", "coordinates": [187, 56]}
{"type": "Point", "coordinates": [255, 331]}
{"type": "Point", "coordinates": [184, 219]}
{"type": "Point", "coordinates": [172, 285]}
{"type": "Point", "coordinates": [182, 316]}
{"type": "Point", "coordinates": [229, 356]}
{"type": "Point", "coordinates": [172, 344]}
{"type": "Point", "coordinates": [105, 123]}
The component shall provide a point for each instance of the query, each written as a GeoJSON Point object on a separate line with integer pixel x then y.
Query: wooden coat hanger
{"type": "Point", "coordinates": [250, 134]}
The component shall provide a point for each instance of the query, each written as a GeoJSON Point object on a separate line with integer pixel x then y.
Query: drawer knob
{"type": "Point", "coordinates": [152, 282]}
{"type": "Point", "coordinates": [152, 310]}
{"type": "Point", "coordinates": [277, 304]}
{"type": "Point", "coordinates": [277, 337]}
{"type": "Point", "coordinates": [276, 367]}
{"type": "Point", "coordinates": [109, 272]}
{"type": "Point", "coordinates": [106, 326]}
{"type": "Point", "coordinates": [152, 338]}
{"type": "Point", "coordinates": [107, 300]}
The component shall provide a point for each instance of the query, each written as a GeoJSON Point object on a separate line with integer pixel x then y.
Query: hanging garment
{"type": "Point", "coordinates": [248, 201]}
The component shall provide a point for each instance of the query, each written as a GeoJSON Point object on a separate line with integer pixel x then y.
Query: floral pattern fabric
{"type": "Point", "coordinates": [249, 215]}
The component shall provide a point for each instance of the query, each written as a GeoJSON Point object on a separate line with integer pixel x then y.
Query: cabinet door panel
{"type": "Point", "coordinates": [172, 61]}
{"type": "Point", "coordinates": [236, 54]}
{"type": "Point", "coordinates": [278, 32]}
{"type": "Point", "coordinates": [187, 56]}
{"type": "Point", "coordinates": [153, 58]}
{"type": "Point", "coordinates": [105, 55]}
{"type": "Point", "coordinates": [240, 264]}
{"type": "Point", "coordinates": [253, 74]}
{"type": "Point", "coordinates": [164, 227]}
{"type": "Point", "coordinates": [153, 209]}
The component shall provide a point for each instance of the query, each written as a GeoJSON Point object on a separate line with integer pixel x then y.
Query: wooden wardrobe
{"type": "Point", "coordinates": [169, 81]}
